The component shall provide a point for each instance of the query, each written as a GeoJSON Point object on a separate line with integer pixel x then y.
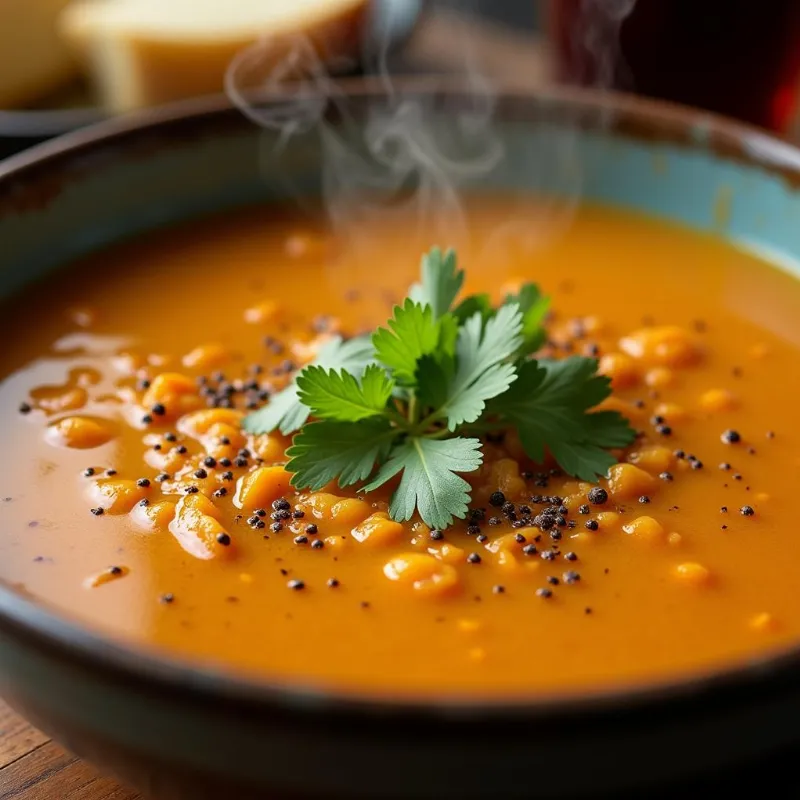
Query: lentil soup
{"type": "Point", "coordinates": [133, 501]}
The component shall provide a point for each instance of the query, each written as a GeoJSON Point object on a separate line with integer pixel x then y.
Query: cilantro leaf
{"type": "Point", "coordinates": [429, 483]}
{"type": "Point", "coordinates": [285, 412]}
{"type": "Point", "coordinates": [474, 304]}
{"type": "Point", "coordinates": [411, 333]}
{"type": "Point", "coordinates": [433, 377]}
{"type": "Point", "coordinates": [481, 372]}
{"type": "Point", "coordinates": [548, 404]}
{"type": "Point", "coordinates": [338, 395]}
{"type": "Point", "coordinates": [534, 307]}
{"type": "Point", "coordinates": [441, 282]}
{"type": "Point", "coordinates": [329, 449]}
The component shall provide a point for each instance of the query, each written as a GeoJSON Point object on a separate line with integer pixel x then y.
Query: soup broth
{"type": "Point", "coordinates": [116, 374]}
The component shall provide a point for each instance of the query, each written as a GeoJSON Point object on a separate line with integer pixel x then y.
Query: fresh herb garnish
{"type": "Point", "coordinates": [414, 398]}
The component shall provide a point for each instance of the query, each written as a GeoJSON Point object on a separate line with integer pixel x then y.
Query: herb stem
{"type": "Point", "coordinates": [395, 416]}
{"type": "Point", "coordinates": [412, 408]}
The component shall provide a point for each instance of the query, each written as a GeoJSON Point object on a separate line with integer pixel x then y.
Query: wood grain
{"type": "Point", "coordinates": [34, 768]}
{"type": "Point", "coordinates": [17, 737]}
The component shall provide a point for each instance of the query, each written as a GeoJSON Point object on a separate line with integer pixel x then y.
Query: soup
{"type": "Point", "coordinates": [125, 500]}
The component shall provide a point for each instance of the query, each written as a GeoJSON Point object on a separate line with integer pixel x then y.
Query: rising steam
{"type": "Point", "coordinates": [407, 156]}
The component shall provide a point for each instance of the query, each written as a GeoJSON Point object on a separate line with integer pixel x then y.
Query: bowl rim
{"type": "Point", "coordinates": [44, 627]}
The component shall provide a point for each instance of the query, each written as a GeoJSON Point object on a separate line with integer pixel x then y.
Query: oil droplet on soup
{"type": "Point", "coordinates": [137, 504]}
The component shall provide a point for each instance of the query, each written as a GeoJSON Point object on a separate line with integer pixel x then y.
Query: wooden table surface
{"type": "Point", "coordinates": [32, 767]}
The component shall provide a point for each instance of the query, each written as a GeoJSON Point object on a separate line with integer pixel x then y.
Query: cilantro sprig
{"type": "Point", "coordinates": [412, 400]}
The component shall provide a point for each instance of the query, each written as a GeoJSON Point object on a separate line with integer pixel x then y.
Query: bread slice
{"type": "Point", "coordinates": [33, 59]}
{"type": "Point", "coordinates": [146, 52]}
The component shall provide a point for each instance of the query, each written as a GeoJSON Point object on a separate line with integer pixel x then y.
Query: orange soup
{"type": "Point", "coordinates": [134, 501]}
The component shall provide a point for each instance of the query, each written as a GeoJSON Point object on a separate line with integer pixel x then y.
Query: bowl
{"type": "Point", "coordinates": [176, 729]}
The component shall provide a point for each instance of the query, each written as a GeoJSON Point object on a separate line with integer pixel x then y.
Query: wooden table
{"type": "Point", "coordinates": [32, 767]}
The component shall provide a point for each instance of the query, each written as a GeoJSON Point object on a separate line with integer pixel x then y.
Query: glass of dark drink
{"type": "Point", "coordinates": [740, 58]}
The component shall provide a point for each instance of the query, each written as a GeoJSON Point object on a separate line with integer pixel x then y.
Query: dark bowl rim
{"type": "Point", "coordinates": [45, 629]}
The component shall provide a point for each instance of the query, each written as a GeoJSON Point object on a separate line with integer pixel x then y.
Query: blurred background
{"type": "Point", "coordinates": [67, 63]}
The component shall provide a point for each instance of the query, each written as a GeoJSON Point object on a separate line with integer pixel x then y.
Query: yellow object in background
{"type": "Point", "coordinates": [33, 58]}
{"type": "Point", "coordinates": [145, 52]}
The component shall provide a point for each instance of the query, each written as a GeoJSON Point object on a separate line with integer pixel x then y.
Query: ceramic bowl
{"type": "Point", "coordinates": [180, 730]}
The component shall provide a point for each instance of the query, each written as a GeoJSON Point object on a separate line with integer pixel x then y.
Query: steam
{"type": "Point", "coordinates": [398, 157]}
{"type": "Point", "coordinates": [408, 157]}
{"type": "Point", "coordinates": [598, 31]}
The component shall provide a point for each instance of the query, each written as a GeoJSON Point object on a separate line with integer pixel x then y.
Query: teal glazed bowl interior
{"type": "Point", "coordinates": [177, 730]}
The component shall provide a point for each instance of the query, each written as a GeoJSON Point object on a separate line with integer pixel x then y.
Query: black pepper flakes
{"type": "Point", "coordinates": [210, 462]}
{"type": "Point", "coordinates": [296, 585]}
{"type": "Point", "coordinates": [162, 476]}
{"type": "Point", "coordinates": [666, 476]}
{"type": "Point", "coordinates": [88, 472]}
{"type": "Point", "coordinates": [598, 496]}
{"type": "Point", "coordinates": [311, 529]}
{"type": "Point", "coordinates": [436, 535]}
{"type": "Point", "coordinates": [317, 544]}
{"type": "Point", "coordinates": [592, 524]}
{"type": "Point", "coordinates": [474, 558]}
{"type": "Point", "coordinates": [571, 556]}
{"type": "Point", "coordinates": [167, 598]}
{"type": "Point", "coordinates": [143, 483]}
{"type": "Point", "coordinates": [200, 474]}
{"type": "Point", "coordinates": [644, 499]}
{"type": "Point", "coordinates": [302, 539]}
{"type": "Point", "coordinates": [224, 539]}
{"type": "Point", "coordinates": [158, 409]}
{"type": "Point", "coordinates": [497, 499]}
{"type": "Point", "coordinates": [221, 492]}
{"type": "Point", "coordinates": [570, 576]}
{"type": "Point", "coordinates": [25, 408]}
{"type": "Point", "coordinates": [544, 593]}
{"type": "Point", "coordinates": [498, 589]}
{"type": "Point", "coordinates": [747, 511]}
{"type": "Point", "coordinates": [332, 583]}
{"type": "Point", "coordinates": [730, 437]}
{"type": "Point", "coordinates": [98, 512]}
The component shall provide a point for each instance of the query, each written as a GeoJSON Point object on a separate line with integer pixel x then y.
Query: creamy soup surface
{"type": "Point", "coordinates": [113, 367]}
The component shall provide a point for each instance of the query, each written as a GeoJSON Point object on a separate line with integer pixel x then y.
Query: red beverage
{"type": "Point", "coordinates": [740, 58]}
